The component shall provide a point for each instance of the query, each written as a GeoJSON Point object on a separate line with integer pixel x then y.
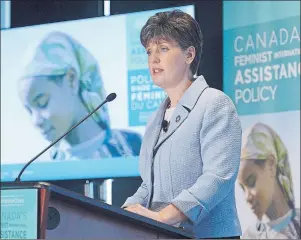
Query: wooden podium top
{"type": "Point", "coordinates": [98, 206]}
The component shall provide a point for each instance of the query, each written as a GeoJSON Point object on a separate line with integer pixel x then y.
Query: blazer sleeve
{"type": "Point", "coordinates": [220, 143]}
{"type": "Point", "coordinates": [140, 197]}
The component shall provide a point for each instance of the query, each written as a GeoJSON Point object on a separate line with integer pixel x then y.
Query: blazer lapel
{"type": "Point", "coordinates": [178, 117]}
{"type": "Point", "coordinates": [183, 108]}
{"type": "Point", "coordinates": [154, 128]}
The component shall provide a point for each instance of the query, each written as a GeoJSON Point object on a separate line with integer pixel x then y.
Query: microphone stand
{"type": "Point", "coordinates": [109, 98]}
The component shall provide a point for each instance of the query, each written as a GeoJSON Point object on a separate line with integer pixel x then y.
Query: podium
{"type": "Point", "coordinates": [39, 210]}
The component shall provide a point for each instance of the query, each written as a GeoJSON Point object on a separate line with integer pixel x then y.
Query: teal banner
{"type": "Point", "coordinates": [19, 214]}
{"type": "Point", "coordinates": [261, 54]}
{"type": "Point", "coordinates": [262, 66]}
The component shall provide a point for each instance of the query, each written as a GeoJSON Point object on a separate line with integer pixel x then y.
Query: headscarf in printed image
{"type": "Point", "coordinates": [261, 142]}
{"type": "Point", "coordinates": [57, 53]}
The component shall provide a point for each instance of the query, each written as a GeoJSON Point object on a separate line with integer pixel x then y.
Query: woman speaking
{"type": "Point", "coordinates": [190, 153]}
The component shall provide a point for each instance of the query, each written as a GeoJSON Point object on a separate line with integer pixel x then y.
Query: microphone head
{"type": "Point", "coordinates": [111, 97]}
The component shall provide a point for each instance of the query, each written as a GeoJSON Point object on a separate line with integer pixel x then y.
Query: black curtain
{"type": "Point", "coordinates": [33, 12]}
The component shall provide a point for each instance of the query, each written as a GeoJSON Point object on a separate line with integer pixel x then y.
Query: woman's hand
{"type": "Point", "coordinates": [169, 215]}
{"type": "Point", "coordinates": [139, 209]}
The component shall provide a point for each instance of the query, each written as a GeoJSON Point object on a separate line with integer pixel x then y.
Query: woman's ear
{"type": "Point", "coordinates": [72, 80]}
{"type": "Point", "coordinates": [190, 55]}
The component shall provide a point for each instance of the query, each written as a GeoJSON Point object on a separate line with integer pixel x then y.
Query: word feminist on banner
{"type": "Point", "coordinates": [264, 66]}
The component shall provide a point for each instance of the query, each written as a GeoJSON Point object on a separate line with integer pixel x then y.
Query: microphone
{"type": "Point", "coordinates": [109, 98]}
{"type": "Point", "coordinates": [165, 125]}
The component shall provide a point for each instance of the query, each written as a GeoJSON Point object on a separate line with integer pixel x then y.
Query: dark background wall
{"type": "Point", "coordinates": [32, 12]}
{"type": "Point", "coordinates": [208, 14]}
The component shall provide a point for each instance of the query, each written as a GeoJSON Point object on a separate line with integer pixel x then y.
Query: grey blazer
{"type": "Point", "coordinates": [194, 165]}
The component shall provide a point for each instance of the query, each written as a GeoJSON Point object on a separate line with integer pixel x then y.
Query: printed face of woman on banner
{"type": "Point", "coordinates": [60, 85]}
{"type": "Point", "coordinates": [265, 174]}
{"type": "Point", "coordinates": [52, 102]}
{"type": "Point", "coordinates": [257, 179]}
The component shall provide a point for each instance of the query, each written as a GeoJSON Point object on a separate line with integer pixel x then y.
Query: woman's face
{"type": "Point", "coordinates": [51, 106]}
{"type": "Point", "coordinates": [168, 63]}
{"type": "Point", "coordinates": [258, 184]}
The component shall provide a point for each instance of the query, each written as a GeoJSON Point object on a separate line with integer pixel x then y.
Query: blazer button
{"type": "Point", "coordinates": [178, 118]}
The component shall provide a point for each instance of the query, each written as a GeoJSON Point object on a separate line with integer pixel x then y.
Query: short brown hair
{"type": "Point", "coordinates": [178, 26]}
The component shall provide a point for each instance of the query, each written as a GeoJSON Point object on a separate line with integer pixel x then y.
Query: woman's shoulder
{"type": "Point", "coordinates": [215, 95]}
{"type": "Point", "coordinates": [129, 135]}
{"type": "Point", "coordinates": [128, 140]}
{"type": "Point", "coordinates": [215, 100]}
